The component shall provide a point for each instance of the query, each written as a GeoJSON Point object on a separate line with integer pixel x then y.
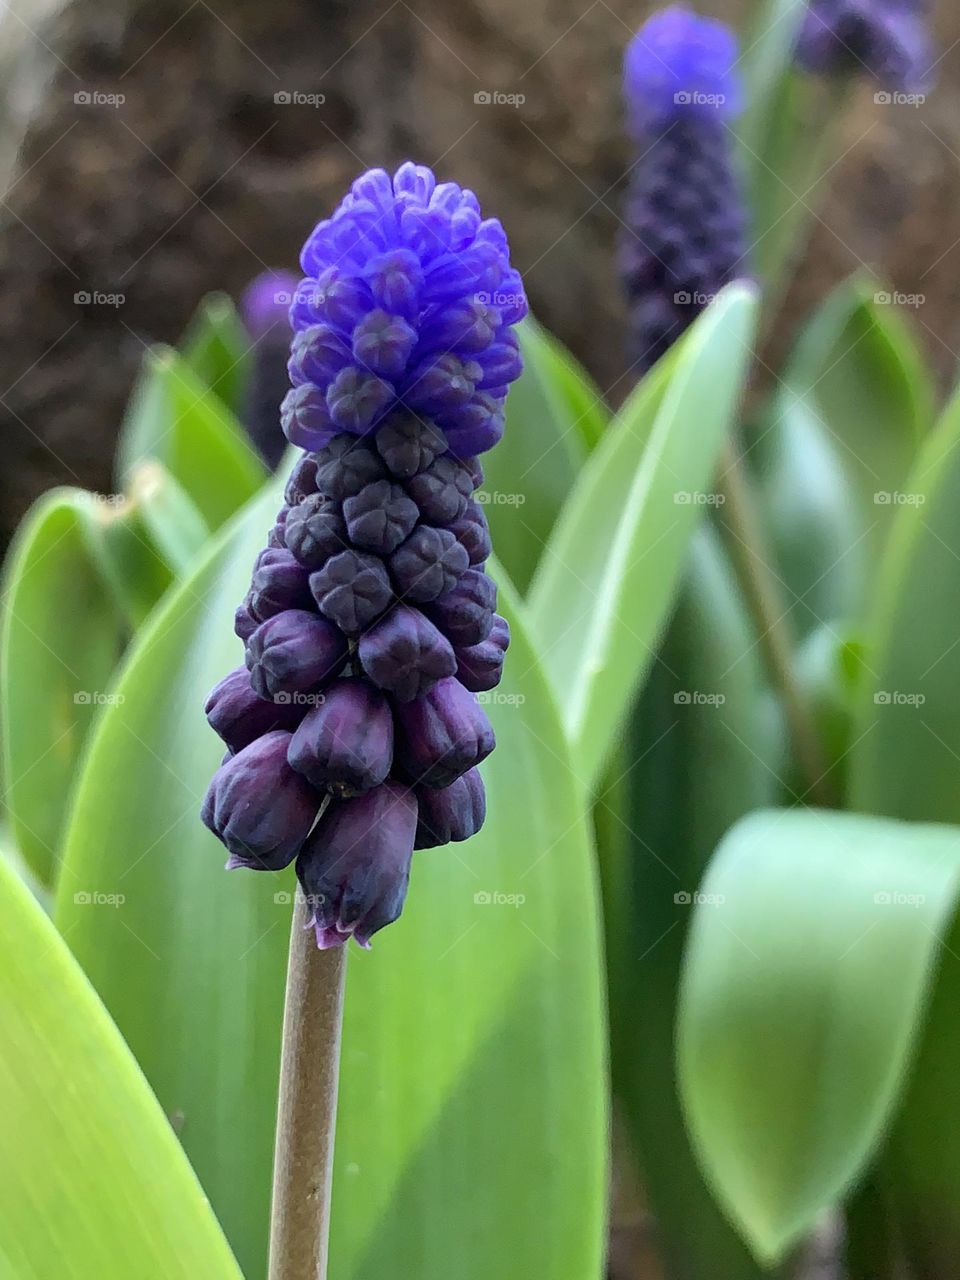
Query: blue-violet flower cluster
{"type": "Point", "coordinates": [353, 730]}
{"type": "Point", "coordinates": [685, 215]}
{"type": "Point", "coordinates": [886, 39]}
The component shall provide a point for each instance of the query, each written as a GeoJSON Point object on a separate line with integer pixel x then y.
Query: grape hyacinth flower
{"type": "Point", "coordinates": [354, 729]}
{"type": "Point", "coordinates": [685, 216]}
{"type": "Point", "coordinates": [886, 39]}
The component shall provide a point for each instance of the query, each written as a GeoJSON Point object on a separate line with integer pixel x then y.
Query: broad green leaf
{"type": "Point", "coordinates": [146, 538]}
{"type": "Point", "coordinates": [473, 1083]}
{"type": "Point", "coordinates": [701, 750]}
{"type": "Point", "coordinates": [808, 508]}
{"type": "Point", "coordinates": [610, 571]}
{"type": "Point", "coordinates": [905, 763]}
{"type": "Point", "coordinates": [174, 419]}
{"type": "Point", "coordinates": [585, 403]}
{"type": "Point", "coordinates": [92, 1180]}
{"type": "Point", "coordinates": [531, 470]}
{"type": "Point", "coordinates": [219, 350]}
{"type": "Point", "coordinates": [61, 638]}
{"type": "Point", "coordinates": [781, 157]}
{"type": "Point", "coordinates": [812, 952]}
{"type": "Point", "coordinates": [857, 370]}
{"type": "Point", "coordinates": [907, 736]}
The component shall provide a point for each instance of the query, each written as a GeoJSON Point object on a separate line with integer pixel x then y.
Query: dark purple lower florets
{"type": "Point", "coordinates": [369, 629]}
{"type": "Point", "coordinates": [685, 233]}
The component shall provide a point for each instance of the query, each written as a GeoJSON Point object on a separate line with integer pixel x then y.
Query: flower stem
{"type": "Point", "coordinates": [307, 1111]}
{"type": "Point", "coordinates": [751, 560]}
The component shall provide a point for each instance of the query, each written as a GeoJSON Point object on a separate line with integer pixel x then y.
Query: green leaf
{"type": "Point", "coordinates": [701, 750]}
{"type": "Point", "coordinates": [61, 638]}
{"type": "Point", "coordinates": [174, 419]}
{"type": "Point", "coordinates": [474, 1040]}
{"type": "Point", "coordinates": [808, 506]}
{"type": "Point", "coordinates": [531, 470]}
{"type": "Point", "coordinates": [907, 730]}
{"type": "Point", "coordinates": [608, 578]}
{"type": "Point", "coordinates": [904, 765]}
{"type": "Point", "coordinates": [219, 350]}
{"type": "Point", "coordinates": [811, 956]}
{"type": "Point", "coordinates": [92, 1180]}
{"type": "Point", "coordinates": [586, 408]}
{"type": "Point", "coordinates": [857, 369]}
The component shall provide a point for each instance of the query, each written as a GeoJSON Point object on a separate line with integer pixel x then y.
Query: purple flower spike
{"type": "Point", "coordinates": [240, 716]}
{"type": "Point", "coordinates": [369, 623]}
{"type": "Point", "coordinates": [405, 654]}
{"type": "Point", "coordinates": [355, 866]}
{"type": "Point", "coordinates": [346, 742]}
{"type": "Point", "coordinates": [408, 304]}
{"type": "Point", "coordinates": [685, 221]}
{"type": "Point", "coordinates": [888, 40]}
{"type": "Point", "coordinates": [259, 807]}
{"type": "Point", "coordinates": [293, 652]}
{"type": "Point", "coordinates": [456, 813]}
{"type": "Point", "coordinates": [442, 734]}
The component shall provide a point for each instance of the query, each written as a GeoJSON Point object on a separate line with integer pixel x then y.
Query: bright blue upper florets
{"type": "Point", "coordinates": [679, 64]}
{"type": "Point", "coordinates": [408, 303]}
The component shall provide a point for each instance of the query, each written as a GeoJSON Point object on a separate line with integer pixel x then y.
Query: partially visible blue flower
{"type": "Point", "coordinates": [680, 65]}
{"type": "Point", "coordinates": [685, 216]}
{"type": "Point", "coordinates": [887, 40]}
{"type": "Point", "coordinates": [408, 302]}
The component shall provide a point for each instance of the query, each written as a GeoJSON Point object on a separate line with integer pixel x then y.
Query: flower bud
{"type": "Point", "coordinates": [380, 517]}
{"type": "Point", "coordinates": [315, 531]}
{"type": "Point", "coordinates": [355, 866]}
{"type": "Point", "coordinates": [480, 666]}
{"type": "Point", "coordinates": [352, 589]}
{"type": "Point", "coordinates": [473, 533]}
{"type": "Point", "coordinates": [465, 613]}
{"type": "Point", "coordinates": [441, 735]}
{"type": "Point", "coordinates": [239, 715]}
{"type": "Point", "coordinates": [259, 807]}
{"type": "Point", "coordinates": [305, 418]}
{"type": "Point", "coordinates": [244, 623]}
{"type": "Point", "coordinates": [408, 444]}
{"type": "Point", "coordinates": [428, 564]}
{"type": "Point", "coordinates": [405, 654]}
{"type": "Point", "coordinates": [382, 343]}
{"type": "Point", "coordinates": [302, 481]}
{"type": "Point", "coordinates": [355, 399]}
{"type": "Point", "coordinates": [441, 490]}
{"type": "Point", "coordinates": [279, 583]}
{"type": "Point", "coordinates": [346, 466]}
{"type": "Point", "coordinates": [346, 742]}
{"type": "Point", "coordinates": [452, 813]}
{"type": "Point", "coordinates": [293, 652]}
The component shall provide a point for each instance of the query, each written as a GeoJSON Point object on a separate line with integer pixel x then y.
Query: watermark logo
{"type": "Point", "coordinates": [496, 898]}
{"type": "Point", "coordinates": [694, 98]}
{"type": "Point", "coordinates": [296, 98]}
{"type": "Point", "coordinates": [894, 898]}
{"type": "Point", "coordinates": [499, 298]}
{"type": "Point", "coordinates": [94, 698]}
{"type": "Point", "coordinates": [498, 498]}
{"type": "Point", "coordinates": [884, 298]}
{"type": "Point", "coordinates": [694, 698]}
{"type": "Point", "coordinates": [97, 98]}
{"type": "Point", "coordinates": [894, 698]}
{"type": "Point", "coordinates": [98, 298]}
{"type": "Point", "coordinates": [684, 498]}
{"type": "Point", "coordinates": [683, 298]}
{"type": "Point", "coordinates": [883, 98]}
{"type": "Point", "coordinates": [94, 898]}
{"type": "Point", "coordinates": [884, 499]}
{"type": "Point", "coordinates": [299, 699]}
{"type": "Point", "coordinates": [497, 698]}
{"type": "Point", "coordinates": [696, 899]}
{"type": "Point", "coordinates": [496, 98]}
